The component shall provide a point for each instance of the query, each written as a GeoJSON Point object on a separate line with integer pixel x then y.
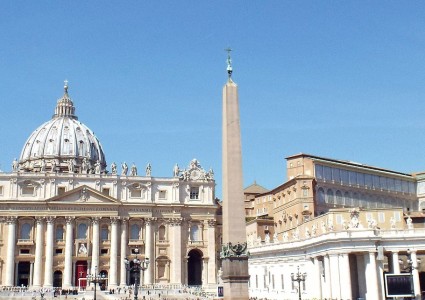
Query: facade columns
{"type": "Point", "coordinates": [69, 241]}
{"type": "Point", "coordinates": [372, 288]}
{"type": "Point", "coordinates": [95, 245]}
{"type": "Point", "coordinates": [212, 278]}
{"type": "Point", "coordinates": [176, 276]}
{"type": "Point", "coordinates": [328, 283]}
{"type": "Point", "coordinates": [36, 282]}
{"type": "Point", "coordinates": [48, 266]}
{"type": "Point", "coordinates": [113, 262]}
{"type": "Point", "coordinates": [415, 275]}
{"type": "Point", "coordinates": [336, 276]}
{"type": "Point", "coordinates": [123, 254]}
{"type": "Point", "coordinates": [10, 254]}
{"type": "Point", "coordinates": [149, 246]}
{"type": "Point", "coordinates": [317, 279]}
{"type": "Point", "coordinates": [345, 275]}
{"type": "Point", "coordinates": [396, 263]}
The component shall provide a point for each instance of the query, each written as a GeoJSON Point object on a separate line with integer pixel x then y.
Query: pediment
{"type": "Point", "coordinates": [83, 195]}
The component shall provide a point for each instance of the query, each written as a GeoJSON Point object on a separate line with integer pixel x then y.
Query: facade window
{"type": "Point", "coordinates": [104, 251]}
{"type": "Point", "coordinates": [28, 191]}
{"type": "Point", "coordinates": [104, 233]}
{"type": "Point", "coordinates": [321, 196]}
{"type": "Point", "coordinates": [330, 197]}
{"type": "Point", "coordinates": [82, 231]}
{"type": "Point", "coordinates": [25, 231]}
{"type": "Point", "coordinates": [134, 232]}
{"type": "Point", "coordinates": [61, 190]}
{"type": "Point", "coordinates": [105, 191]}
{"type": "Point", "coordinates": [59, 251]}
{"type": "Point", "coordinates": [161, 233]}
{"type": "Point", "coordinates": [194, 233]}
{"type": "Point", "coordinates": [135, 193]}
{"type": "Point", "coordinates": [194, 192]}
{"type": "Point", "coordinates": [59, 232]}
{"type": "Point", "coordinates": [162, 194]}
{"type": "Point", "coordinates": [25, 251]}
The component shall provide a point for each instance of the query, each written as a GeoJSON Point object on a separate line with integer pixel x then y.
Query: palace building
{"type": "Point", "coordinates": [64, 214]}
{"type": "Point", "coordinates": [337, 230]}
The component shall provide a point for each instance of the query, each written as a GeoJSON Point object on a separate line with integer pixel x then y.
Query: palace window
{"type": "Point", "coordinates": [25, 251]}
{"type": "Point", "coordinates": [135, 232]}
{"type": "Point", "coordinates": [194, 233]}
{"type": "Point", "coordinates": [136, 193]}
{"type": "Point", "coordinates": [105, 191]}
{"type": "Point", "coordinates": [58, 251]}
{"type": "Point", "coordinates": [194, 193]}
{"type": "Point", "coordinates": [161, 233]}
{"type": "Point", "coordinates": [104, 233]}
{"type": "Point", "coordinates": [162, 194]}
{"type": "Point", "coordinates": [61, 190]}
{"type": "Point", "coordinates": [28, 191]}
{"type": "Point", "coordinates": [59, 232]}
{"type": "Point", "coordinates": [104, 251]}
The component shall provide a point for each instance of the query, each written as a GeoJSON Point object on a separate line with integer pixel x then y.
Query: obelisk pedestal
{"type": "Point", "coordinates": [234, 253]}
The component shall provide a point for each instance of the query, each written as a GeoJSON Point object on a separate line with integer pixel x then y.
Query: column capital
{"type": "Point", "coordinates": [50, 219]}
{"type": "Point", "coordinates": [175, 221]}
{"type": "Point", "coordinates": [212, 223]}
{"type": "Point", "coordinates": [95, 220]}
{"type": "Point", "coordinates": [11, 219]}
{"type": "Point", "coordinates": [39, 220]}
{"type": "Point", "coordinates": [149, 221]}
{"type": "Point", "coordinates": [69, 220]}
{"type": "Point", "coordinates": [124, 220]}
{"type": "Point", "coordinates": [115, 220]}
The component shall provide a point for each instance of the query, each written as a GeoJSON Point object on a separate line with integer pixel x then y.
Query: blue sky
{"type": "Point", "coordinates": [339, 79]}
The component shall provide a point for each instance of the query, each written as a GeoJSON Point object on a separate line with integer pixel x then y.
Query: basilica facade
{"type": "Point", "coordinates": [64, 214]}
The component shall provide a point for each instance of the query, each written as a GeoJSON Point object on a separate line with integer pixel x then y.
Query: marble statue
{"type": "Point", "coordinates": [114, 168]}
{"type": "Point", "coordinates": [148, 169]}
{"type": "Point", "coordinates": [15, 165]}
{"type": "Point", "coordinates": [133, 170]}
{"type": "Point", "coordinates": [176, 171]}
{"type": "Point", "coordinates": [124, 169]}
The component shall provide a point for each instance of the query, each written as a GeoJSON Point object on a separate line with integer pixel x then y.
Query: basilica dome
{"type": "Point", "coordinates": [62, 144]}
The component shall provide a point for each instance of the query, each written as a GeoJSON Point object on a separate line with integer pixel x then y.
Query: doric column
{"type": "Point", "coordinates": [149, 246]}
{"type": "Point", "coordinates": [415, 275]}
{"type": "Point", "coordinates": [211, 251]}
{"type": "Point", "coordinates": [95, 245]}
{"type": "Point", "coordinates": [69, 242]}
{"type": "Point", "coordinates": [38, 252]}
{"type": "Point", "coordinates": [328, 279]}
{"type": "Point", "coordinates": [335, 277]}
{"type": "Point", "coordinates": [10, 252]}
{"type": "Point", "coordinates": [396, 263]}
{"type": "Point", "coordinates": [372, 287]}
{"type": "Point", "coordinates": [317, 279]}
{"type": "Point", "coordinates": [114, 253]}
{"type": "Point", "coordinates": [345, 275]}
{"type": "Point", "coordinates": [176, 244]}
{"type": "Point", "coordinates": [123, 271]}
{"type": "Point", "coordinates": [48, 266]}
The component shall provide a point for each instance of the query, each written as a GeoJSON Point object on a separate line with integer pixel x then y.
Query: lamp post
{"type": "Point", "coordinates": [136, 265]}
{"type": "Point", "coordinates": [298, 277]}
{"type": "Point", "coordinates": [95, 278]}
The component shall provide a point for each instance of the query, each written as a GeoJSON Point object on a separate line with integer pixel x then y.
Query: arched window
{"type": "Point", "coordinates": [134, 232]}
{"type": "Point", "coordinates": [194, 233]}
{"type": "Point", "coordinates": [104, 233]}
{"type": "Point", "coordinates": [339, 199]}
{"type": "Point", "coordinates": [25, 231]}
{"type": "Point", "coordinates": [59, 232]}
{"type": "Point", "coordinates": [82, 231]}
{"type": "Point", "coordinates": [330, 199]}
{"type": "Point", "coordinates": [348, 200]}
{"type": "Point", "coordinates": [161, 233]}
{"type": "Point", "coordinates": [320, 196]}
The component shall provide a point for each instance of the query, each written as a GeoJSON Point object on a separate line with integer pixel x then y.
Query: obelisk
{"type": "Point", "coordinates": [234, 253]}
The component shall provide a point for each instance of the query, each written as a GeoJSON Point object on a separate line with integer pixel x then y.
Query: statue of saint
{"type": "Point", "coordinates": [133, 171]}
{"type": "Point", "coordinates": [114, 168]}
{"type": "Point", "coordinates": [124, 169]}
{"type": "Point", "coordinates": [84, 166]}
{"type": "Point", "coordinates": [97, 167]}
{"type": "Point", "coordinates": [176, 171]}
{"type": "Point", "coordinates": [148, 169]}
{"type": "Point", "coordinates": [15, 165]}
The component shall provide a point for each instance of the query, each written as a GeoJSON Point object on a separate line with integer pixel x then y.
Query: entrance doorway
{"type": "Point", "coordinates": [194, 267]}
{"type": "Point", "coordinates": [81, 274]}
{"type": "Point", "coordinates": [57, 279]}
{"type": "Point", "coordinates": [23, 273]}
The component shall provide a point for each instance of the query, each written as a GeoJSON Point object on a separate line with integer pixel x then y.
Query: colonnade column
{"type": "Point", "coordinates": [114, 253]}
{"type": "Point", "coordinates": [176, 276]}
{"type": "Point", "coordinates": [10, 254]}
{"type": "Point", "coordinates": [48, 266]}
{"type": "Point", "coordinates": [328, 284]}
{"type": "Point", "coordinates": [149, 251]}
{"type": "Point", "coordinates": [345, 275]}
{"type": "Point", "coordinates": [69, 241]}
{"type": "Point", "coordinates": [372, 287]}
{"type": "Point", "coordinates": [212, 278]}
{"type": "Point", "coordinates": [415, 275]}
{"type": "Point", "coordinates": [317, 289]}
{"type": "Point", "coordinates": [336, 276]}
{"type": "Point", "coordinates": [95, 245]}
{"type": "Point", "coordinates": [36, 282]}
{"type": "Point", "coordinates": [123, 271]}
{"type": "Point", "coordinates": [396, 263]}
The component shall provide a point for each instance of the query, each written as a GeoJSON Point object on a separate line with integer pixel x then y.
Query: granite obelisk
{"type": "Point", "coordinates": [234, 253]}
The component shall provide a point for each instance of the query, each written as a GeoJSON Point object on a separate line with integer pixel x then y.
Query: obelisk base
{"type": "Point", "coordinates": [235, 278]}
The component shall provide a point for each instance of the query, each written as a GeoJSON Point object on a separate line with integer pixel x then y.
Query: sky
{"type": "Point", "coordinates": [338, 79]}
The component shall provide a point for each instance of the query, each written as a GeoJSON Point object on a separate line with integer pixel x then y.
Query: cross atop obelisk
{"type": "Point", "coordinates": [234, 253]}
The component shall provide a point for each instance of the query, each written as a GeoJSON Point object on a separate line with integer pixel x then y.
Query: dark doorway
{"type": "Point", "coordinates": [81, 273]}
{"type": "Point", "coordinates": [57, 279]}
{"type": "Point", "coordinates": [194, 268]}
{"type": "Point", "coordinates": [422, 283]}
{"type": "Point", "coordinates": [23, 273]}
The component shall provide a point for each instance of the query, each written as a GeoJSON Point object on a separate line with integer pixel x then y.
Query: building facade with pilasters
{"type": "Point", "coordinates": [64, 215]}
